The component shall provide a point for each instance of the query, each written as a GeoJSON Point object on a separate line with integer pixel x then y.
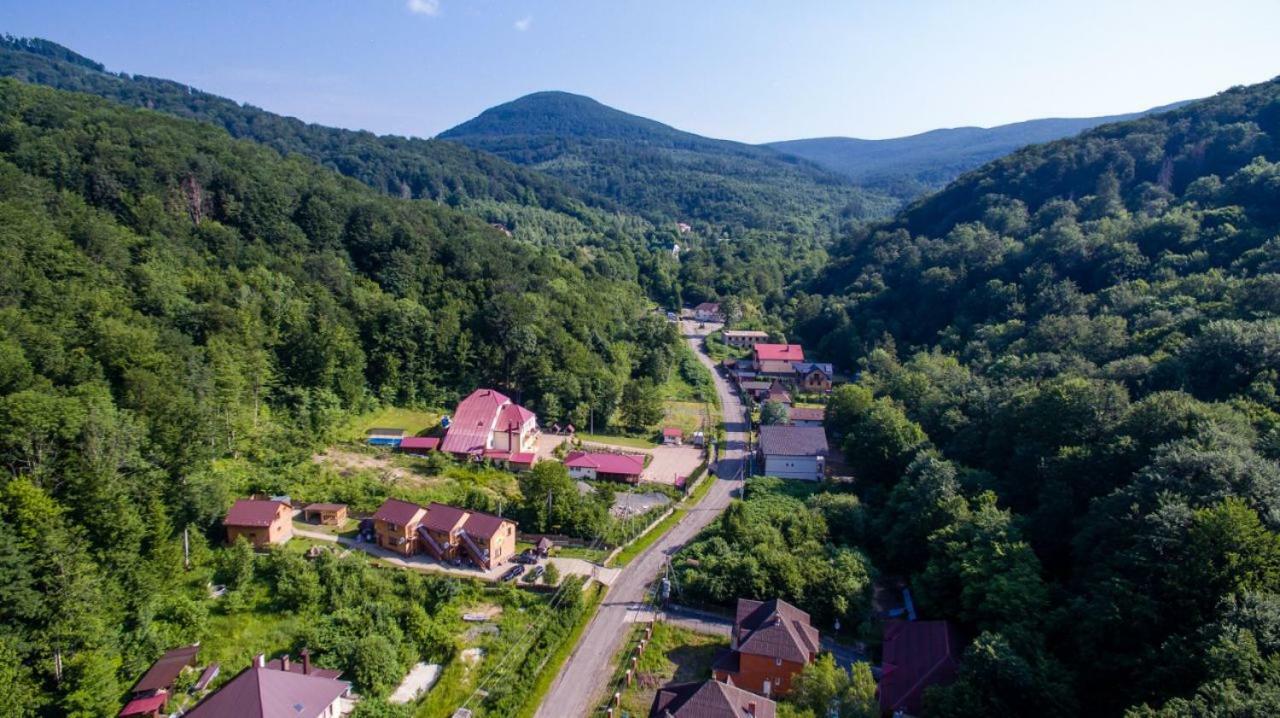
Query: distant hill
{"type": "Point", "coordinates": [910, 166]}
{"type": "Point", "coordinates": [659, 171]}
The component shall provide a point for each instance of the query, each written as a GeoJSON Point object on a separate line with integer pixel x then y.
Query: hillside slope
{"type": "Point", "coordinates": [1067, 432]}
{"type": "Point", "coordinates": [910, 166]}
{"type": "Point", "coordinates": [662, 172]}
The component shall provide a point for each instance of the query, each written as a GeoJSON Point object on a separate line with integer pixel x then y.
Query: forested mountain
{"type": "Point", "coordinates": [908, 167]}
{"type": "Point", "coordinates": [660, 172]}
{"type": "Point", "coordinates": [173, 297]}
{"type": "Point", "coordinates": [1068, 422]}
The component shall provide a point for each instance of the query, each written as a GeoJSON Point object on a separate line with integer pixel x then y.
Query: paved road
{"type": "Point", "coordinates": [579, 688]}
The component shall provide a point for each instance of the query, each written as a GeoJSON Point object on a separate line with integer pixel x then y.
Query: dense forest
{"type": "Point", "coordinates": [1067, 426]}
{"type": "Point", "coordinates": [663, 173]}
{"type": "Point", "coordinates": [174, 296]}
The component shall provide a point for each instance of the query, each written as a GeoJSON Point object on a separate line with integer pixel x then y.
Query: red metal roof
{"type": "Point", "coordinates": [420, 442]}
{"type": "Point", "coordinates": [524, 457]}
{"type": "Point", "coordinates": [149, 705]}
{"type": "Point", "coordinates": [483, 525]}
{"type": "Point", "coordinates": [473, 421]}
{"type": "Point", "coordinates": [252, 512]}
{"type": "Point", "coordinates": [624, 464]}
{"type": "Point", "coordinates": [917, 654]}
{"type": "Point", "coordinates": [442, 518]}
{"type": "Point", "coordinates": [672, 431]}
{"type": "Point", "coordinates": [778, 352]}
{"type": "Point", "coordinates": [398, 512]}
{"type": "Point", "coordinates": [513, 417]}
{"type": "Point", "coordinates": [166, 668]}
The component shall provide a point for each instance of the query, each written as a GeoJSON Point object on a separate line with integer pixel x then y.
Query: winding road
{"type": "Point", "coordinates": [580, 687]}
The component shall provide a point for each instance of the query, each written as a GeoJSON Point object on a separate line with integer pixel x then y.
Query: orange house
{"type": "Point", "coordinates": [396, 526]}
{"type": "Point", "coordinates": [444, 532]}
{"type": "Point", "coordinates": [259, 521]}
{"type": "Point", "coordinates": [772, 641]}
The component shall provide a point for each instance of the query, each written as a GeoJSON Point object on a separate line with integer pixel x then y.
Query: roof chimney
{"type": "Point", "coordinates": [260, 660]}
{"type": "Point", "coordinates": [306, 661]}
{"type": "Point", "coordinates": [284, 663]}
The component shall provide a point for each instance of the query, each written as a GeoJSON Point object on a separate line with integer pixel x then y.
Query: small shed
{"type": "Point", "coordinates": [145, 707]}
{"type": "Point", "coordinates": [326, 514]}
{"type": "Point", "coordinates": [206, 677]}
{"type": "Point", "coordinates": [672, 436]}
{"type": "Point", "coordinates": [384, 436]}
{"type": "Point", "coordinates": [544, 546]}
{"type": "Point", "coordinates": [419, 445]}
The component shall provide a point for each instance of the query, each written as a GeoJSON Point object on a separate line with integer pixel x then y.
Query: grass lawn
{"type": "Point", "coordinates": [673, 655]}
{"type": "Point", "coordinates": [689, 416]}
{"type": "Point", "coordinates": [346, 527]}
{"type": "Point", "coordinates": [632, 441]}
{"type": "Point", "coordinates": [413, 421]}
{"type": "Point", "coordinates": [234, 637]}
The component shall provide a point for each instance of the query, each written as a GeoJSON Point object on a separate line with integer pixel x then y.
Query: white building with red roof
{"type": "Point", "coordinates": [784, 353]}
{"type": "Point", "coordinates": [487, 424]}
{"type": "Point", "coordinates": [613, 467]}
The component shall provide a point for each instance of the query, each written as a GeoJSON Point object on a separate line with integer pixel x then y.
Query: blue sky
{"type": "Point", "coordinates": [738, 69]}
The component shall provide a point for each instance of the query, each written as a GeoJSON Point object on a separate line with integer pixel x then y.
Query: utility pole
{"type": "Point", "coordinates": [186, 547]}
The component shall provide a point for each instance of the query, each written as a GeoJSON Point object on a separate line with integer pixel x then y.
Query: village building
{"type": "Point", "coordinates": [419, 445]}
{"type": "Point", "coordinates": [627, 468]}
{"type": "Point", "coordinates": [709, 699]}
{"type": "Point", "coordinates": [756, 389]}
{"type": "Point", "coordinates": [384, 436]}
{"type": "Point", "coordinates": [777, 393]}
{"type": "Point", "coordinates": [672, 436]}
{"type": "Point", "coordinates": [784, 354]}
{"type": "Point", "coordinates": [325, 514]}
{"type": "Point", "coordinates": [446, 533]}
{"type": "Point", "coordinates": [917, 654]}
{"type": "Point", "coordinates": [149, 695]}
{"type": "Point", "coordinates": [806, 416]}
{"type": "Point", "coordinates": [708, 312]}
{"type": "Point", "coordinates": [794, 452]}
{"type": "Point", "coordinates": [744, 337]}
{"type": "Point", "coordinates": [813, 377]}
{"type": "Point", "coordinates": [260, 521]}
{"type": "Point", "coordinates": [772, 641]}
{"type": "Point", "coordinates": [487, 424]}
{"type": "Point", "coordinates": [279, 689]}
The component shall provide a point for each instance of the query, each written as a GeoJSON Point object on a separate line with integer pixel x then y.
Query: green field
{"type": "Point", "coordinates": [413, 421]}
{"type": "Point", "coordinates": [672, 655]}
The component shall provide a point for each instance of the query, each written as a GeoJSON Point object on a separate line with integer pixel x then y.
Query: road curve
{"type": "Point", "coordinates": [580, 686]}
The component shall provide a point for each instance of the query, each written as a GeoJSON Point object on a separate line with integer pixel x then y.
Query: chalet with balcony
{"type": "Point", "coordinates": [444, 532]}
{"type": "Point", "coordinates": [488, 425]}
{"type": "Point", "coordinates": [261, 522]}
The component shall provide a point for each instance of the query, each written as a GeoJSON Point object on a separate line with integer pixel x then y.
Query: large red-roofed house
{"type": "Point", "coordinates": [788, 353]}
{"type": "Point", "coordinates": [278, 690]}
{"type": "Point", "coordinates": [259, 521]}
{"type": "Point", "coordinates": [487, 424]}
{"type": "Point", "coordinates": [917, 654]}
{"type": "Point", "coordinates": [771, 643]}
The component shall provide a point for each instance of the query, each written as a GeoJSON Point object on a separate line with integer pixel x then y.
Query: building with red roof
{"type": "Point", "coordinates": [788, 353]}
{"type": "Point", "coordinates": [772, 641]}
{"type": "Point", "coordinates": [673, 436]}
{"type": "Point", "coordinates": [264, 691]}
{"type": "Point", "coordinates": [488, 421]}
{"type": "Point", "coordinates": [444, 532]}
{"type": "Point", "coordinates": [419, 444]}
{"type": "Point", "coordinates": [917, 654]}
{"type": "Point", "coordinates": [260, 521]}
{"type": "Point", "coordinates": [709, 699]}
{"type": "Point", "coordinates": [605, 466]}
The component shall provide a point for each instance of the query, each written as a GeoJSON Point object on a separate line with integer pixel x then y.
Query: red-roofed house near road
{"type": "Point", "coordinates": [917, 654]}
{"type": "Point", "coordinates": [261, 522]}
{"type": "Point", "coordinates": [604, 466]}
{"type": "Point", "coordinates": [771, 643]}
{"type": "Point", "coordinates": [488, 424]}
{"type": "Point", "coordinates": [672, 436]}
{"type": "Point", "coordinates": [761, 353]}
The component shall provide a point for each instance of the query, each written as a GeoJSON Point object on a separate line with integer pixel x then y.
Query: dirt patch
{"type": "Point", "coordinates": [347, 462]}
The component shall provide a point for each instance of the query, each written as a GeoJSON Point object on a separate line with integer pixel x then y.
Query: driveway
{"type": "Point", "coordinates": [585, 675]}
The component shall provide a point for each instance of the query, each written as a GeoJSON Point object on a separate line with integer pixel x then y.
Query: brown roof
{"type": "Point", "coordinates": [443, 519]}
{"type": "Point", "coordinates": [295, 666]}
{"type": "Point", "coordinates": [166, 669]}
{"type": "Point", "coordinates": [483, 525]}
{"type": "Point", "coordinates": [252, 512]}
{"type": "Point", "coordinates": [398, 512]}
{"type": "Point", "coordinates": [260, 692]}
{"type": "Point", "coordinates": [793, 440]}
{"type": "Point", "coordinates": [776, 366]}
{"type": "Point", "coordinates": [709, 699]}
{"type": "Point", "coordinates": [806, 413]}
{"type": "Point", "coordinates": [325, 507]}
{"type": "Point", "coordinates": [917, 654]}
{"type": "Point", "coordinates": [775, 629]}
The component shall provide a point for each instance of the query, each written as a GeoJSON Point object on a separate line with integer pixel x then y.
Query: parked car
{"type": "Point", "coordinates": [527, 557]}
{"type": "Point", "coordinates": [536, 574]}
{"type": "Point", "coordinates": [513, 572]}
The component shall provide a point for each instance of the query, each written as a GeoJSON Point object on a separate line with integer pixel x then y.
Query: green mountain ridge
{"type": "Point", "coordinates": [661, 172]}
{"type": "Point", "coordinates": [917, 164]}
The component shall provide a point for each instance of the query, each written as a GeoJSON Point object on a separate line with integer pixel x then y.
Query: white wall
{"type": "Point", "coordinates": [807, 468]}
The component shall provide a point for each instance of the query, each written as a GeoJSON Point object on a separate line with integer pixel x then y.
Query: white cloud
{"type": "Point", "coordinates": [424, 7]}
{"type": "Point", "coordinates": [523, 23]}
